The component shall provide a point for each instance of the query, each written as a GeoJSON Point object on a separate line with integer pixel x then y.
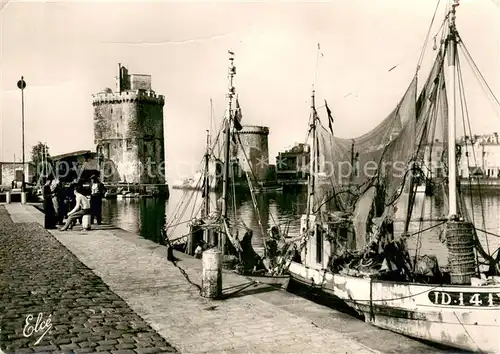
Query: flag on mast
{"type": "Point", "coordinates": [237, 116]}
{"type": "Point", "coordinates": [330, 118]}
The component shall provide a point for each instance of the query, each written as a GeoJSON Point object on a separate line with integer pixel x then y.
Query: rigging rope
{"type": "Point", "coordinates": [253, 174]}
{"type": "Point", "coordinates": [466, 117]}
{"type": "Point", "coordinates": [433, 113]}
{"type": "Point", "coordinates": [427, 37]}
{"type": "Point", "coordinates": [183, 212]}
{"type": "Point", "coordinates": [476, 70]}
{"type": "Point", "coordinates": [177, 208]}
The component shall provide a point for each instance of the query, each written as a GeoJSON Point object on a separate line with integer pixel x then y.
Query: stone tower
{"type": "Point", "coordinates": [254, 140]}
{"type": "Point", "coordinates": [128, 130]}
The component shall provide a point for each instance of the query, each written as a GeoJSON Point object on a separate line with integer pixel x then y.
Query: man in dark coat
{"type": "Point", "coordinates": [97, 191]}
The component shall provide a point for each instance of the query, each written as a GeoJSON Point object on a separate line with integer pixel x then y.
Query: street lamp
{"type": "Point", "coordinates": [21, 84]}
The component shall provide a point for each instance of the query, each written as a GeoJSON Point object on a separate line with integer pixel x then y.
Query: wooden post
{"type": "Point", "coordinates": [211, 281]}
{"type": "Point", "coordinates": [7, 197]}
{"type": "Point", "coordinates": [23, 197]}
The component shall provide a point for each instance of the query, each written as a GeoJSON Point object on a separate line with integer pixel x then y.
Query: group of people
{"type": "Point", "coordinates": [69, 203]}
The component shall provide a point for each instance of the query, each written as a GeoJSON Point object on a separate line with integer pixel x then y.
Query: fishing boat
{"type": "Point", "coordinates": [110, 194]}
{"type": "Point", "coordinates": [351, 247]}
{"type": "Point", "coordinates": [214, 227]}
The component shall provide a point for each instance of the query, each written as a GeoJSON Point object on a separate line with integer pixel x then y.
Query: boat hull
{"type": "Point", "coordinates": [463, 317]}
{"type": "Point", "coordinates": [279, 281]}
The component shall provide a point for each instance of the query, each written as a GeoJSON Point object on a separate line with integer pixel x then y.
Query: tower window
{"type": "Point", "coordinates": [129, 144]}
{"type": "Point", "coordinates": [111, 109]}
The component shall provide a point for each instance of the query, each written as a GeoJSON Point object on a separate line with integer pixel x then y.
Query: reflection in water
{"type": "Point", "coordinates": [429, 242]}
{"type": "Point", "coordinates": [147, 216]}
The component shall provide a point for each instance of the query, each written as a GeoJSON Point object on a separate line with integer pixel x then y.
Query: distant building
{"type": "Point", "coordinates": [293, 164]}
{"type": "Point", "coordinates": [81, 164]}
{"type": "Point", "coordinates": [13, 171]}
{"type": "Point", "coordinates": [128, 129]}
{"type": "Point", "coordinates": [480, 156]}
{"type": "Point", "coordinates": [253, 154]}
{"type": "Point", "coordinates": [434, 159]}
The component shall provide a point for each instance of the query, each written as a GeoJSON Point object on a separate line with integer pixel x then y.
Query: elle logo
{"type": "Point", "coordinates": [39, 326]}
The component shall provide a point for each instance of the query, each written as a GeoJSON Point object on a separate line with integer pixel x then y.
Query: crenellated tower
{"type": "Point", "coordinates": [253, 154]}
{"type": "Point", "coordinates": [128, 130]}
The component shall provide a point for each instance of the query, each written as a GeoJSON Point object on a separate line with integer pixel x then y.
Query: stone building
{"type": "Point", "coordinates": [128, 129]}
{"type": "Point", "coordinates": [480, 155]}
{"type": "Point", "coordinates": [254, 140]}
{"type": "Point", "coordinates": [13, 171]}
{"type": "Point", "coordinates": [82, 164]}
{"type": "Point", "coordinates": [293, 164]}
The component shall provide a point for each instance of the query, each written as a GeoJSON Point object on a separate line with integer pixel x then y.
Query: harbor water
{"type": "Point", "coordinates": [147, 217]}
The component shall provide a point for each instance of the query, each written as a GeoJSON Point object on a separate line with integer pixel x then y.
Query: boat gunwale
{"type": "Point", "coordinates": [365, 306]}
{"type": "Point", "coordinates": [383, 281]}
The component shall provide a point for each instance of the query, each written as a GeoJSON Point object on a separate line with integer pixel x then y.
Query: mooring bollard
{"type": "Point", "coordinates": [7, 197]}
{"type": "Point", "coordinates": [211, 281]}
{"type": "Point", "coordinates": [23, 197]}
{"type": "Point", "coordinates": [86, 222]}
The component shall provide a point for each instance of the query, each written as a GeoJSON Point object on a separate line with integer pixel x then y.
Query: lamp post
{"type": "Point", "coordinates": [21, 84]}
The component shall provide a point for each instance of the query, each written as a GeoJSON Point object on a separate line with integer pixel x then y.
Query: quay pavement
{"type": "Point", "coordinates": [108, 290]}
{"type": "Point", "coordinates": [38, 275]}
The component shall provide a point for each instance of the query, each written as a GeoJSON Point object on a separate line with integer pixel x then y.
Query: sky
{"type": "Point", "coordinates": [69, 50]}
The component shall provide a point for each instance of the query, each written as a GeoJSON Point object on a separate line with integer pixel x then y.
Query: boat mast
{"type": "Point", "coordinates": [206, 191]}
{"type": "Point", "coordinates": [312, 165]}
{"type": "Point", "coordinates": [225, 186]}
{"type": "Point", "coordinates": [351, 179]}
{"type": "Point", "coordinates": [452, 162]}
{"type": "Point", "coordinates": [314, 155]}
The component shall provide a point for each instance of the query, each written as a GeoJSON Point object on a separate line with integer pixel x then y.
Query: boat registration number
{"type": "Point", "coordinates": [464, 298]}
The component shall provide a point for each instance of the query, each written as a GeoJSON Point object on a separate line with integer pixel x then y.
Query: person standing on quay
{"type": "Point", "coordinates": [55, 189]}
{"type": "Point", "coordinates": [97, 191]}
{"type": "Point", "coordinates": [48, 205]}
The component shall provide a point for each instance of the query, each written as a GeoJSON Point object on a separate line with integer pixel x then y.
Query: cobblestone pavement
{"type": "Point", "coordinates": [38, 275]}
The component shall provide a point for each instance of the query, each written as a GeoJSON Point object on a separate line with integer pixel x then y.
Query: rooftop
{"type": "Point", "coordinates": [483, 139]}
{"type": "Point", "coordinates": [14, 162]}
{"type": "Point", "coordinates": [71, 154]}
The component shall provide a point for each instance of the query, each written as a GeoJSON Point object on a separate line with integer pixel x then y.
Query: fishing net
{"type": "Point", "coordinates": [358, 161]}
{"type": "Point", "coordinates": [383, 157]}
